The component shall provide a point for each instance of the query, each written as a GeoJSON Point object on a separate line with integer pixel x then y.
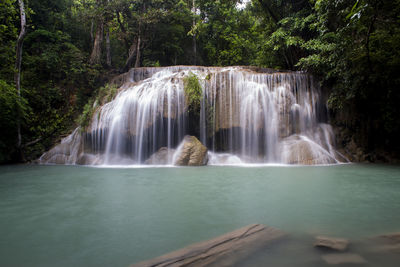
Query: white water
{"type": "Point", "coordinates": [245, 117]}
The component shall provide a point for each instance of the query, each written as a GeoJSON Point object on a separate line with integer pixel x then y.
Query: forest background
{"type": "Point", "coordinates": [72, 48]}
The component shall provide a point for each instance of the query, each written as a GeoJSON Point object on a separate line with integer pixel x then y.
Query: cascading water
{"type": "Point", "coordinates": [141, 119]}
{"type": "Point", "coordinates": [247, 115]}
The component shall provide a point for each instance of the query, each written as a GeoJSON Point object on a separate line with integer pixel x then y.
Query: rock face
{"type": "Point", "coordinates": [225, 250]}
{"type": "Point", "coordinates": [67, 152]}
{"type": "Point", "coordinates": [338, 244]}
{"type": "Point", "coordinates": [191, 152]}
{"type": "Point", "coordinates": [161, 157]}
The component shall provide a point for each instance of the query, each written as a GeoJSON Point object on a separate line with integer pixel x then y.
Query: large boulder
{"type": "Point", "coordinates": [299, 149]}
{"type": "Point", "coordinates": [162, 157]}
{"type": "Point", "coordinates": [191, 152]}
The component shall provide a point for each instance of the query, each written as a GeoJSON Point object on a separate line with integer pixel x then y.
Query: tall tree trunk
{"type": "Point", "coordinates": [194, 34]}
{"type": "Point", "coordinates": [108, 48]}
{"type": "Point", "coordinates": [18, 61]}
{"type": "Point", "coordinates": [95, 57]}
{"type": "Point", "coordinates": [91, 32]}
{"type": "Point", "coordinates": [370, 30]}
{"type": "Point", "coordinates": [139, 39]}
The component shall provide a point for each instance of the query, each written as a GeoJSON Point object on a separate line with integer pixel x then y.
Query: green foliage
{"type": "Point", "coordinates": [353, 46]}
{"type": "Point", "coordinates": [229, 36]}
{"type": "Point", "coordinates": [103, 95]}
{"type": "Point", "coordinates": [12, 108]}
{"type": "Point", "coordinates": [8, 35]}
{"type": "Point", "coordinates": [87, 114]}
{"type": "Point", "coordinates": [193, 92]}
{"type": "Point", "coordinates": [106, 94]}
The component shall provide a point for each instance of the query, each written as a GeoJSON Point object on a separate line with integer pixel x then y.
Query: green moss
{"type": "Point", "coordinates": [104, 95]}
{"type": "Point", "coordinates": [87, 114]}
{"type": "Point", "coordinates": [193, 92]}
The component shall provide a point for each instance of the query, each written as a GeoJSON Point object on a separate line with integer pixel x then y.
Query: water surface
{"type": "Point", "coordinates": [84, 216]}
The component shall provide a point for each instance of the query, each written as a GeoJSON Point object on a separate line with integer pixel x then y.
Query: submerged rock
{"type": "Point", "coordinates": [393, 238]}
{"type": "Point", "coordinates": [339, 244]}
{"type": "Point", "coordinates": [191, 152]}
{"type": "Point", "coordinates": [88, 159]}
{"type": "Point", "coordinates": [223, 159]}
{"type": "Point", "coordinates": [388, 248]}
{"type": "Point", "coordinates": [161, 157]}
{"type": "Point", "coordinates": [388, 243]}
{"type": "Point", "coordinates": [343, 258]}
{"type": "Point", "coordinates": [225, 250]}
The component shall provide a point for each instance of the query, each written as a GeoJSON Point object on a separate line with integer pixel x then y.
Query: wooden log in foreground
{"type": "Point", "coordinates": [224, 250]}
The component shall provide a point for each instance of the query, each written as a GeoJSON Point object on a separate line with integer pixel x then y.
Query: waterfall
{"type": "Point", "coordinates": [247, 115]}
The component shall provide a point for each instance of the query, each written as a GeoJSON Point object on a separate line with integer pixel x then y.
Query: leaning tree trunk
{"type": "Point", "coordinates": [137, 62]}
{"type": "Point", "coordinates": [18, 62]}
{"type": "Point", "coordinates": [131, 56]}
{"type": "Point", "coordinates": [108, 48]}
{"type": "Point", "coordinates": [95, 57]}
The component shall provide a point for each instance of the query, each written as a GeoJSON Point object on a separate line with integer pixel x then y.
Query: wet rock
{"type": "Point", "coordinates": [301, 150]}
{"type": "Point", "coordinates": [191, 152]}
{"type": "Point", "coordinates": [343, 258]}
{"type": "Point", "coordinates": [339, 244]}
{"type": "Point", "coordinates": [162, 157]}
{"type": "Point", "coordinates": [225, 250]}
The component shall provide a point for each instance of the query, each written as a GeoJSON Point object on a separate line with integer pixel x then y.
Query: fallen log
{"type": "Point", "coordinates": [224, 250]}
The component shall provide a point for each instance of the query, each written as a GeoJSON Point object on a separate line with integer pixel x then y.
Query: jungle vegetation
{"type": "Point", "coordinates": [71, 48]}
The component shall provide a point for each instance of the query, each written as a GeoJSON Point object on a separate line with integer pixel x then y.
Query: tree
{"type": "Point", "coordinates": [95, 56]}
{"type": "Point", "coordinates": [18, 61]}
